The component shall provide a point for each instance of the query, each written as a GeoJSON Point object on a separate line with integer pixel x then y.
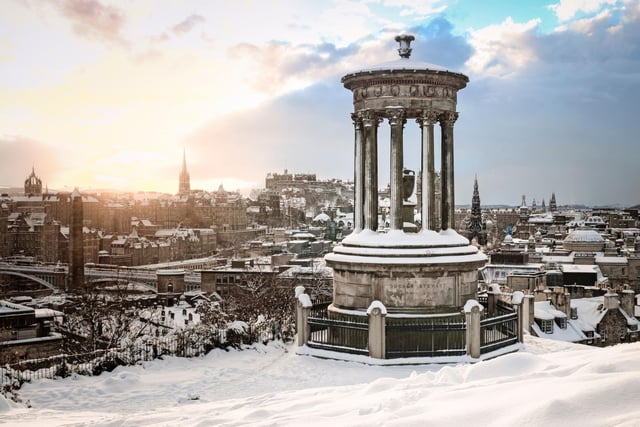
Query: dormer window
{"type": "Point", "coordinates": [562, 322]}
{"type": "Point", "coordinates": [546, 325]}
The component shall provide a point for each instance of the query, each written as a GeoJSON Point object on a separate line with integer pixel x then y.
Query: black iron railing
{"type": "Point", "coordinates": [427, 336]}
{"type": "Point", "coordinates": [337, 331]}
{"type": "Point", "coordinates": [14, 373]}
{"type": "Point", "coordinates": [498, 332]}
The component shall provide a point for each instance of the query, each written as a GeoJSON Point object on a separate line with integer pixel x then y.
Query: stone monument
{"type": "Point", "coordinates": [427, 271]}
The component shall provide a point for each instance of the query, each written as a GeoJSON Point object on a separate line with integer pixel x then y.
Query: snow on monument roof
{"type": "Point", "coordinates": [404, 64]}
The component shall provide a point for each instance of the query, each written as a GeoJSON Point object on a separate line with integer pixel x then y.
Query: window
{"type": "Point", "coordinates": [546, 326]}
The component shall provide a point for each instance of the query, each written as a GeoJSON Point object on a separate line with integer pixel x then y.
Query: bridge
{"type": "Point", "coordinates": [55, 277]}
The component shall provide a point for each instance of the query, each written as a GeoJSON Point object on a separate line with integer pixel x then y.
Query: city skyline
{"type": "Point", "coordinates": [108, 95]}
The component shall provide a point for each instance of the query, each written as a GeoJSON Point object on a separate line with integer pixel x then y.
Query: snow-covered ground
{"type": "Point", "coordinates": [546, 384]}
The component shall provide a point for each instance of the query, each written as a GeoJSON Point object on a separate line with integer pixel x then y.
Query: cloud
{"type": "Point", "coordinates": [436, 43]}
{"type": "Point", "coordinates": [180, 29]}
{"type": "Point", "coordinates": [281, 65]}
{"type": "Point", "coordinates": [20, 154]}
{"type": "Point", "coordinates": [560, 123]}
{"type": "Point", "coordinates": [500, 50]}
{"type": "Point", "coordinates": [187, 24]}
{"type": "Point", "coordinates": [308, 130]}
{"type": "Point", "coordinates": [588, 25]}
{"type": "Point", "coordinates": [568, 9]}
{"type": "Point", "coordinates": [417, 8]}
{"type": "Point", "coordinates": [92, 19]}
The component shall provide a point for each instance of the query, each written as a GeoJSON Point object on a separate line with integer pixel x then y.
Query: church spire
{"type": "Point", "coordinates": [185, 185]}
{"type": "Point", "coordinates": [476, 227]}
{"type": "Point", "coordinates": [552, 203]}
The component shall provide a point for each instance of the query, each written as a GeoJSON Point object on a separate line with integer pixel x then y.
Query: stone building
{"type": "Point", "coordinates": [229, 211]}
{"type": "Point", "coordinates": [27, 333]}
{"type": "Point", "coordinates": [33, 185]}
{"type": "Point", "coordinates": [602, 320]}
{"type": "Point", "coordinates": [280, 181]}
{"type": "Point", "coordinates": [33, 235]}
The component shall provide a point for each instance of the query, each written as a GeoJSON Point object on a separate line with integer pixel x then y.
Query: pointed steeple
{"type": "Point", "coordinates": [552, 203]}
{"type": "Point", "coordinates": [184, 187]}
{"type": "Point", "coordinates": [475, 226]}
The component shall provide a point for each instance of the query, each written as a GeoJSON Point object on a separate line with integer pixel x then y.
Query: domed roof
{"type": "Point", "coordinates": [322, 217]}
{"type": "Point", "coordinates": [584, 236]}
{"type": "Point", "coordinates": [404, 63]}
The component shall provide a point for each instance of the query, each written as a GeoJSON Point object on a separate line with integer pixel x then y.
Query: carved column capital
{"type": "Point", "coordinates": [397, 116]}
{"type": "Point", "coordinates": [448, 118]}
{"type": "Point", "coordinates": [357, 120]}
{"type": "Point", "coordinates": [428, 118]}
{"type": "Point", "coordinates": [369, 118]}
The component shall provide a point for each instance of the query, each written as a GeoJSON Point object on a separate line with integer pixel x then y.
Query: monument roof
{"type": "Point", "coordinates": [404, 64]}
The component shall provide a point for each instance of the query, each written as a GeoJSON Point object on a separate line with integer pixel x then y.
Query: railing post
{"type": "Point", "coordinates": [517, 300]}
{"type": "Point", "coordinates": [303, 306]}
{"type": "Point", "coordinates": [377, 313]}
{"type": "Point", "coordinates": [472, 311]}
{"type": "Point", "coordinates": [492, 300]}
{"type": "Point", "coordinates": [528, 310]}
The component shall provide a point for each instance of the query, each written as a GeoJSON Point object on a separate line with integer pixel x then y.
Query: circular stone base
{"type": "Point", "coordinates": [426, 272]}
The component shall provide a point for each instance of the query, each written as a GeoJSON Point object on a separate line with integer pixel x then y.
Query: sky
{"type": "Point", "coordinates": [547, 383]}
{"type": "Point", "coordinates": [109, 94]}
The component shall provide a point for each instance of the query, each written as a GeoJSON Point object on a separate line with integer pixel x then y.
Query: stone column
{"type": "Point", "coordinates": [370, 123]}
{"type": "Point", "coordinates": [448, 218]}
{"type": "Point", "coordinates": [426, 123]}
{"type": "Point", "coordinates": [358, 174]}
{"type": "Point", "coordinates": [396, 121]}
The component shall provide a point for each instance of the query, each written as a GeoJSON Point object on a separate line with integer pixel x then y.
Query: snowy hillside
{"type": "Point", "coordinates": [547, 384]}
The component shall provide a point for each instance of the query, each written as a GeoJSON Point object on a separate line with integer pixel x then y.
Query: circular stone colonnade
{"type": "Point", "coordinates": [425, 272]}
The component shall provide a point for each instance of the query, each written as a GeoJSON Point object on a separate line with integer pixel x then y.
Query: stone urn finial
{"type": "Point", "coordinates": [405, 45]}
